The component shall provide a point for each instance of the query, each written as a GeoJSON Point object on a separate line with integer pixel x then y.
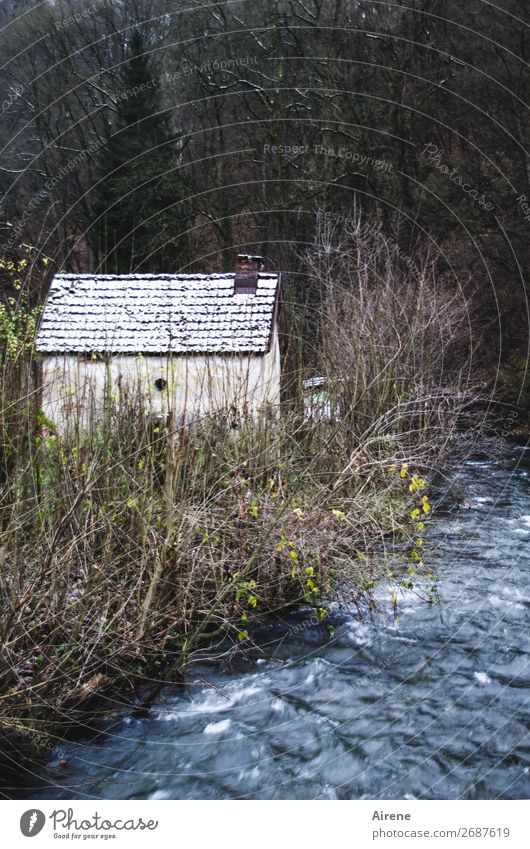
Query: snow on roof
{"type": "Point", "coordinates": [156, 313]}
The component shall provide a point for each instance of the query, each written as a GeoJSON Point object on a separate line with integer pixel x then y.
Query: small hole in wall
{"type": "Point", "coordinates": [160, 383]}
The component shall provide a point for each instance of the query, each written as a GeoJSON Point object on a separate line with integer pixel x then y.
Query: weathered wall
{"type": "Point", "coordinates": [196, 385]}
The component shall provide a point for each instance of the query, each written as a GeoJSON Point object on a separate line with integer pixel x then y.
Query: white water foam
{"type": "Point", "coordinates": [482, 678]}
{"type": "Point", "coordinates": [218, 727]}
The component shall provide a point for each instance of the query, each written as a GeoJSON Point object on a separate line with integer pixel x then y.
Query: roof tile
{"type": "Point", "coordinates": [155, 313]}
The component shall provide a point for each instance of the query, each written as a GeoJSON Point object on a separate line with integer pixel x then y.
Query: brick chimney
{"type": "Point", "coordinates": [247, 272]}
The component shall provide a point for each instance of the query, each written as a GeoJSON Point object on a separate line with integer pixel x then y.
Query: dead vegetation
{"type": "Point", "coordinates": [129, 546]}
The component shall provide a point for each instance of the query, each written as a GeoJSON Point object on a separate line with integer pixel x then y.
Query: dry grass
{"type": "Point", "coordinates": [128, 547]}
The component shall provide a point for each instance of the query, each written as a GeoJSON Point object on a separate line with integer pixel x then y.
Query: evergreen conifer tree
{"type": "Point", "coordinates": [137, 218]}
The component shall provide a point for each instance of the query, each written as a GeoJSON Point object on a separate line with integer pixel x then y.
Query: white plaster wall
{"type": "Point", "coordinates": [74, 388]}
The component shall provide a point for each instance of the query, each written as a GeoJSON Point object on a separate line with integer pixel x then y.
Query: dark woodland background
{"type": "Point", "coordinates": [167, 136]}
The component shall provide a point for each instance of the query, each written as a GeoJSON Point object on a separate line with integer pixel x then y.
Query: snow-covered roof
{"type": "Point", "coordinates": [156, 313]}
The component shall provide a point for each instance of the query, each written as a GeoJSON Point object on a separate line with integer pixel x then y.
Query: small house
{"type": "Point", "coordinates": [190, 344]}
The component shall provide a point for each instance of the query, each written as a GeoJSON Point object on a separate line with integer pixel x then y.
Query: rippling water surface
{"type": "Point", "coordinates": [436, 705]}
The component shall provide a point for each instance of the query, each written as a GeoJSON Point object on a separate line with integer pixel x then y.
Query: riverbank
{"type": "Point", "coordinates": [128, 549]}
{"type": "Point", "coordinates": [432, 704]}
{"type": "Point", "coordinates": [129, 545]}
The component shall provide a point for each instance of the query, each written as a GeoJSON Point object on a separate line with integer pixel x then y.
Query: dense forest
{"type": "Point", "coordinates": [166, 136]}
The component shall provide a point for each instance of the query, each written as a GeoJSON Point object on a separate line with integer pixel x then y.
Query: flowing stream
{"type": "Point", "coordinates": [435, 705]}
